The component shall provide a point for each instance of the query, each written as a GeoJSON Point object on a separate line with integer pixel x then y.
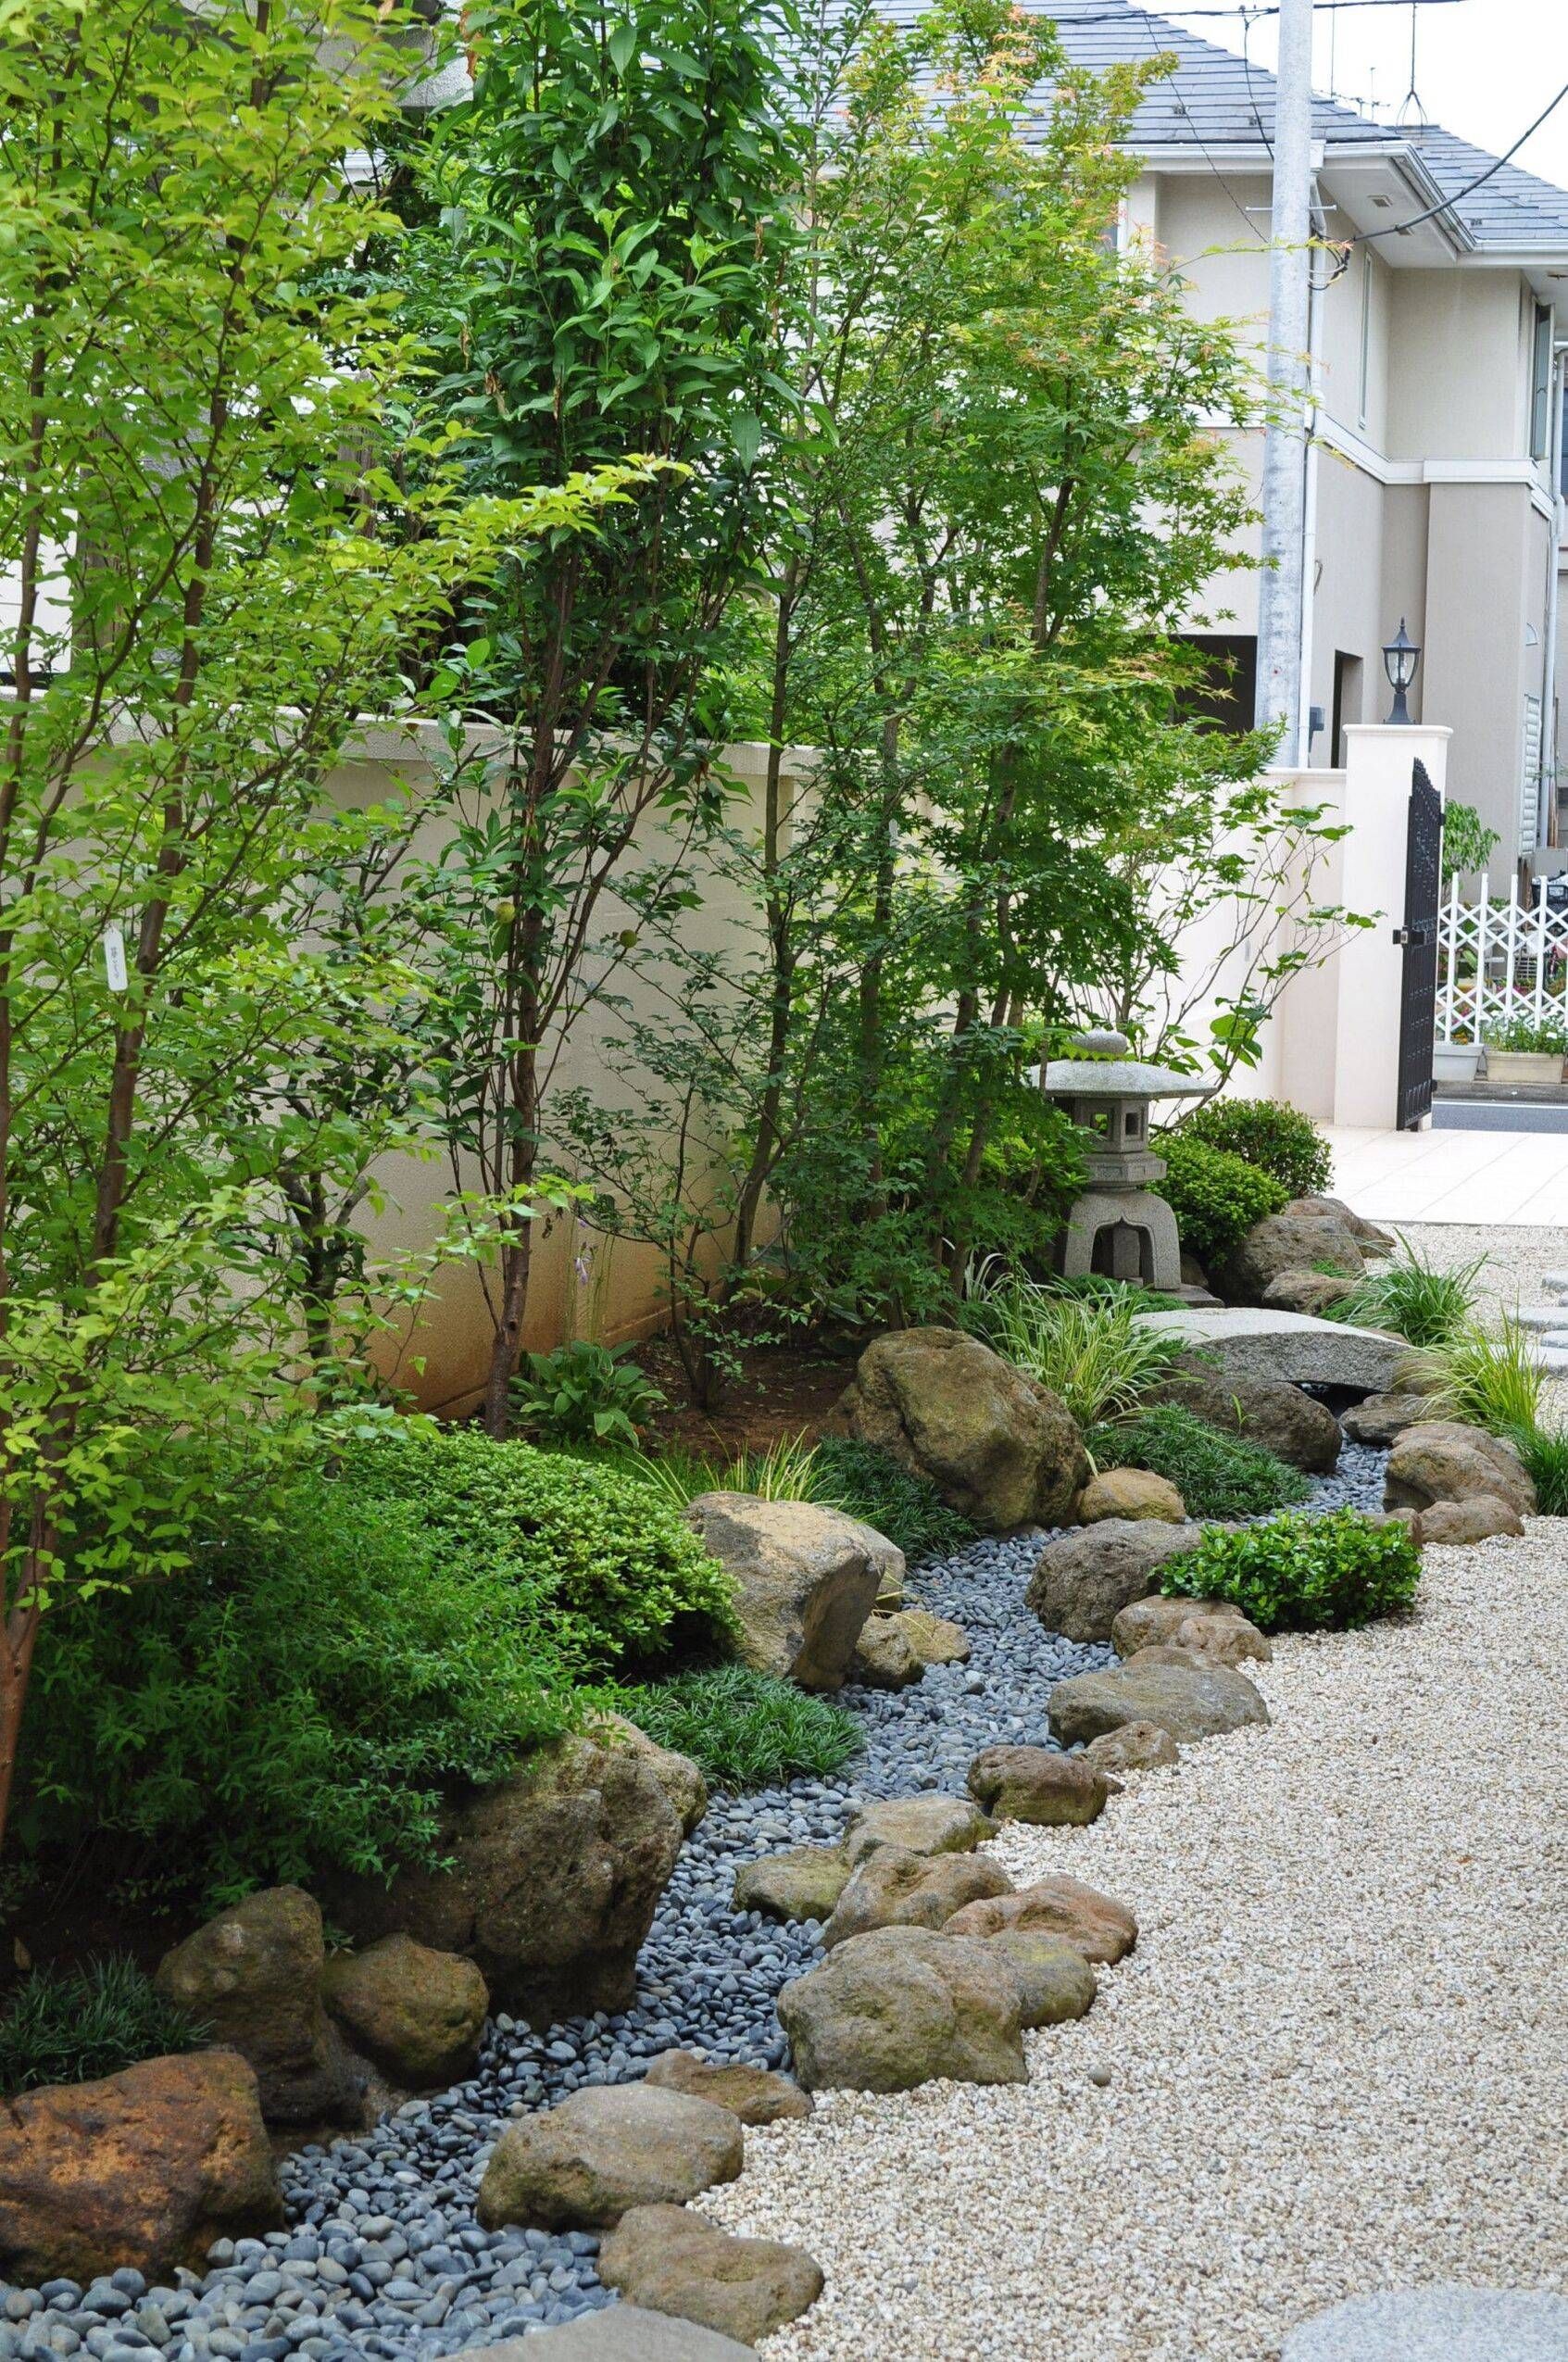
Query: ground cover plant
{"type": "Point", "coordinates": [617, 1576]}
{"type": "Point", "coordinates": [1411, 1296]}
{"type": "Point", "coordinates": [299, 1700]}
{"type": "Point", "coordinates": [1299, 1574]}
{"type": "Point", "coordinates": [1215, 1196]}
{"type": "Point", "coordinates": [1090, 1350]}
{"type": "Point", "coordinates": [869, 1485]}
{"type": "Point", "coordinates": [746, 1730]}
{"type": "Point", "coordinates": [74, 2025]}
{"type": "Point", "coordinates": [1277, 1138]}
{"type": "Point", "coordinates": [1217, 1475]}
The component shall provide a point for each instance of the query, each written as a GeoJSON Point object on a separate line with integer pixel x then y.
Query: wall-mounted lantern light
{"type": "Point", "coordinates": [1401, 657]}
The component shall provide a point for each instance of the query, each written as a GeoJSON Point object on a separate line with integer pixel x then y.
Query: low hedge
{"type": "Point", "coordinates": [1303, 1574]}
{"type": "Point", "coordinates": [1279, 1140]}
{"type": "Point", "coordinates": [1215, 1196]}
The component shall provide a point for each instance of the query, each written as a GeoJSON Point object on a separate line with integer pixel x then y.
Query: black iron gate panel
{"type": "Point", "coordinates": [1418, 987]}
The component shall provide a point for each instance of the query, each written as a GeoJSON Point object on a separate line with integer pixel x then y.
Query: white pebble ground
{"type": "Point", "coordinates": [1338, 2057]}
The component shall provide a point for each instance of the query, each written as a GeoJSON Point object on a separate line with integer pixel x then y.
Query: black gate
{"type": "Point", "coordinates": [1418, 988]}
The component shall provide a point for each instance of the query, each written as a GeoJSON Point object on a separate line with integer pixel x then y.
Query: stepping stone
{"type": "Point", "coordinates": [673, 2261]}
{"type": "Point", "coordinates": [803, 1882]}
{"type": "Point", "coordinates": [617, 2333]}
{"type": "Point", "coordinates": [1443, 2324]}
{"type": "Point", "coordinates": [1541, 1316]}
{"type": "Point", "coordinates": [904, 2006]}
{"type": "Point", "coordinates": [918, 1824]}
{"type": "Point", "coordinates": [1094, 1924]}
{"type": "Point", "coordinates": [753, 2094]}
{"type": "Point", "coordinates": [582, 2165]}
{"type": "Point", "coordinates": [1189, 1695]}
{"type": "Point", "coordinates": [1556, 1281]}
{"type": "Point", "coordinates": [1036, 1785]}
{"type": "Point", "coordinates": [893, 1889]}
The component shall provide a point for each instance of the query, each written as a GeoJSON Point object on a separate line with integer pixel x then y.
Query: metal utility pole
{"type": "Point", "coordinates": [1280, 586]}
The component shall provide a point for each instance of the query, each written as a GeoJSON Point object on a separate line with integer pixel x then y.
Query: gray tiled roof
{"type": "Point", "coordinates": [1215, 99]}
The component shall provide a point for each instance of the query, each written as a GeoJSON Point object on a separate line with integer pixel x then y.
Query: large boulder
{"type": "Point", "coordinates": [1082, 1583]}
{"type": "Point", "coordinates": [1293, 1349]}
{"type": "Point", "coordinates": [1369, 1235]}
{"type": "Point", "coordinates": [583, 2164]}
{"type": "Point", "coordinates": [673, 2261]}
{"type": "Point", "coordinates": [1440, 1460]}
{"type": "Point", "coordinates": [903, 2007]}
{"type": "Point", "coordinates": [1130, 1494]}
{"type": "Point", "coordinates": [1214, 1627]}
{"type": "Point", "coordinates": [146, 2169]}
{"type": "Point", "coordinates": [1035, 1784]}
{"type": "Point", "coordinates": [753, 2094]}
{"type": "Point", "coordinates": [680, 1779]}
{"type": "Point", "coordinates": [999, 1448]}
{"type": "Point", "coordinates": [1378, 1418]}
{"type": "Point", "coordinates": [1303, 1433]}
{"type": "Point", "coordinates": [1284, 1242]}
{"type": "Point", "coordinates": [1095, 1924]}
{"type": "Point", "coordinates": [417, 2013]}
{"type": "Point", "coordinates": [253, 1976]}
{"type": "Point", "coordinates": [806, 1579]}
{"type": "Point", "coordinates": [553, 1882]}
{"type": "Point", "coordinates": [1189, 1695]}
{"type": "Point", "coordinates": [892, 1888]}
{"type": "Point", "coordinates": [929, 1824]}
{"type": "Point", "coordinates": [1451, 1523]}
{"type": "Point", "coordinates": [800, 1882]}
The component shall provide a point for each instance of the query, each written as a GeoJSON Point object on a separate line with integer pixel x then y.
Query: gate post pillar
{"type": "Point", "coordinates": [1379, 761]}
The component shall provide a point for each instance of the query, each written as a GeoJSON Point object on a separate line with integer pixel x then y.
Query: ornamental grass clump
{"type": "Point", "coordinates": [1481, 1377]}
{"type": "Point", "coordinates": [744, 1730]}
{"type": "Point", "coordinates": [75, 2025]}
{"type": "Point", "coordinates": [1217, 1475]}
{"type": "Point", "coordinates": [1300, 1574]}
{"type": "Point", "coordinates": [1412, 1297]}
{"type": "Point", "coordinates": [1092, 1353]}
{"type": "Point", "coordinates": [785, 1470]}
{"type": "Point", "coordinates": [1545, 1454]}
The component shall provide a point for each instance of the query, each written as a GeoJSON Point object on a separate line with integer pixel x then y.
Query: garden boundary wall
{"type": "Point", "coordinates": [582, 1283]}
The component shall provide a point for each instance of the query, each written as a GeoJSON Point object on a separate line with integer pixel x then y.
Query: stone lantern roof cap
{"type": "Point", "coordinates": [1106, 1071]}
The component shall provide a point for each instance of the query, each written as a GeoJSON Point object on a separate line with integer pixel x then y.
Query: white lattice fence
{"type": "Point", "coordinates": [1496, 960]}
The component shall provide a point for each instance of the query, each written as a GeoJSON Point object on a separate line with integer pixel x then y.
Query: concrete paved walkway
{"type": "Point", "coordinates": [1490, 1177]}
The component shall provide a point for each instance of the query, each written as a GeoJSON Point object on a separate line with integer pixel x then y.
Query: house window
{"type": "Point", "coordinates": [1364, 372]}
{"type": "Point", "coordinates": [1540, 387]}
{"type": "Point", "coordinates": [1228, 693]}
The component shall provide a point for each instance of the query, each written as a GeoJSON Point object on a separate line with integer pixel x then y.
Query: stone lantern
{"type": "Point", "coordinates": [1107, 1093]}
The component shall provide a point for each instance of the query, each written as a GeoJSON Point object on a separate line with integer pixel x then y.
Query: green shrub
{"type": "Point", "coordinates": [1485, 1380]}
{"type": "Point", "coordinates": [1413, 1299]}
{"type": "Point", "coordinates": [1217, 1476]}
{"type": "Point", "coordinates": [73, 2025]}
{"type": "Point", "coordinates": [1215, 1196]}
{"type": "Point", "coordinates": [1543, 1452]}
{"type": "Point", "coordinates": [1301, 1574]}
{"type": "Point", "coordinates": [868, 1483]}
{"type": "Point", "coordinates": [297, 1702]}
{"type": "Point", "coordinates": [620, 1574]}
{"type": "Point", "coordinates": [582, 1394]}
{"type": "Point", "coordinates": [1278, 1140]}
{"type": "Point", "coordinates": [746, 1730]}
{"type": "Point", "coordinates": [1090, 1350]}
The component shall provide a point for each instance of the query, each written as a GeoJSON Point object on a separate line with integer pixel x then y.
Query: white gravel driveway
{"type": "Point", "coordinates": [1338, 2057]}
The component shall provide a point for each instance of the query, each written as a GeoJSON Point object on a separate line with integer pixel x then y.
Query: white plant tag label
{"type": "Point", "coordinates": [114, 959]}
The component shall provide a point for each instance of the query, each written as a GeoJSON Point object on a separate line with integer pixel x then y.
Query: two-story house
{"type": "Point", "coordinates": [1434, 461]}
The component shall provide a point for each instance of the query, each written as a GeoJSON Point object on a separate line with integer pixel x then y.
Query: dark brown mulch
{"type": "Point", "coordinates": [782, 1392]}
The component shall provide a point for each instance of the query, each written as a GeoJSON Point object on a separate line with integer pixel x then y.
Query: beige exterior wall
{"type": "Point", "coordinates": [582, 1283]}
{"type": "Point", "coordinates": [1459, 366]}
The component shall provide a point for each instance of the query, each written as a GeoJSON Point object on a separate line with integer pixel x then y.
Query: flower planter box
{"type": "Point", "coordinates": [1542, 1068]}
{"type": "Point", "coordinates": [1455, 1061]}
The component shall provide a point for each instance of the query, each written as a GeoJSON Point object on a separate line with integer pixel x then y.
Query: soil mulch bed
{"type": "Point", "coordinates": [782, 1392]}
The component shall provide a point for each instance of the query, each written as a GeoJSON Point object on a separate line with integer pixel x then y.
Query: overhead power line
{"type": "Point", "coordinates": [1364, 238]}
